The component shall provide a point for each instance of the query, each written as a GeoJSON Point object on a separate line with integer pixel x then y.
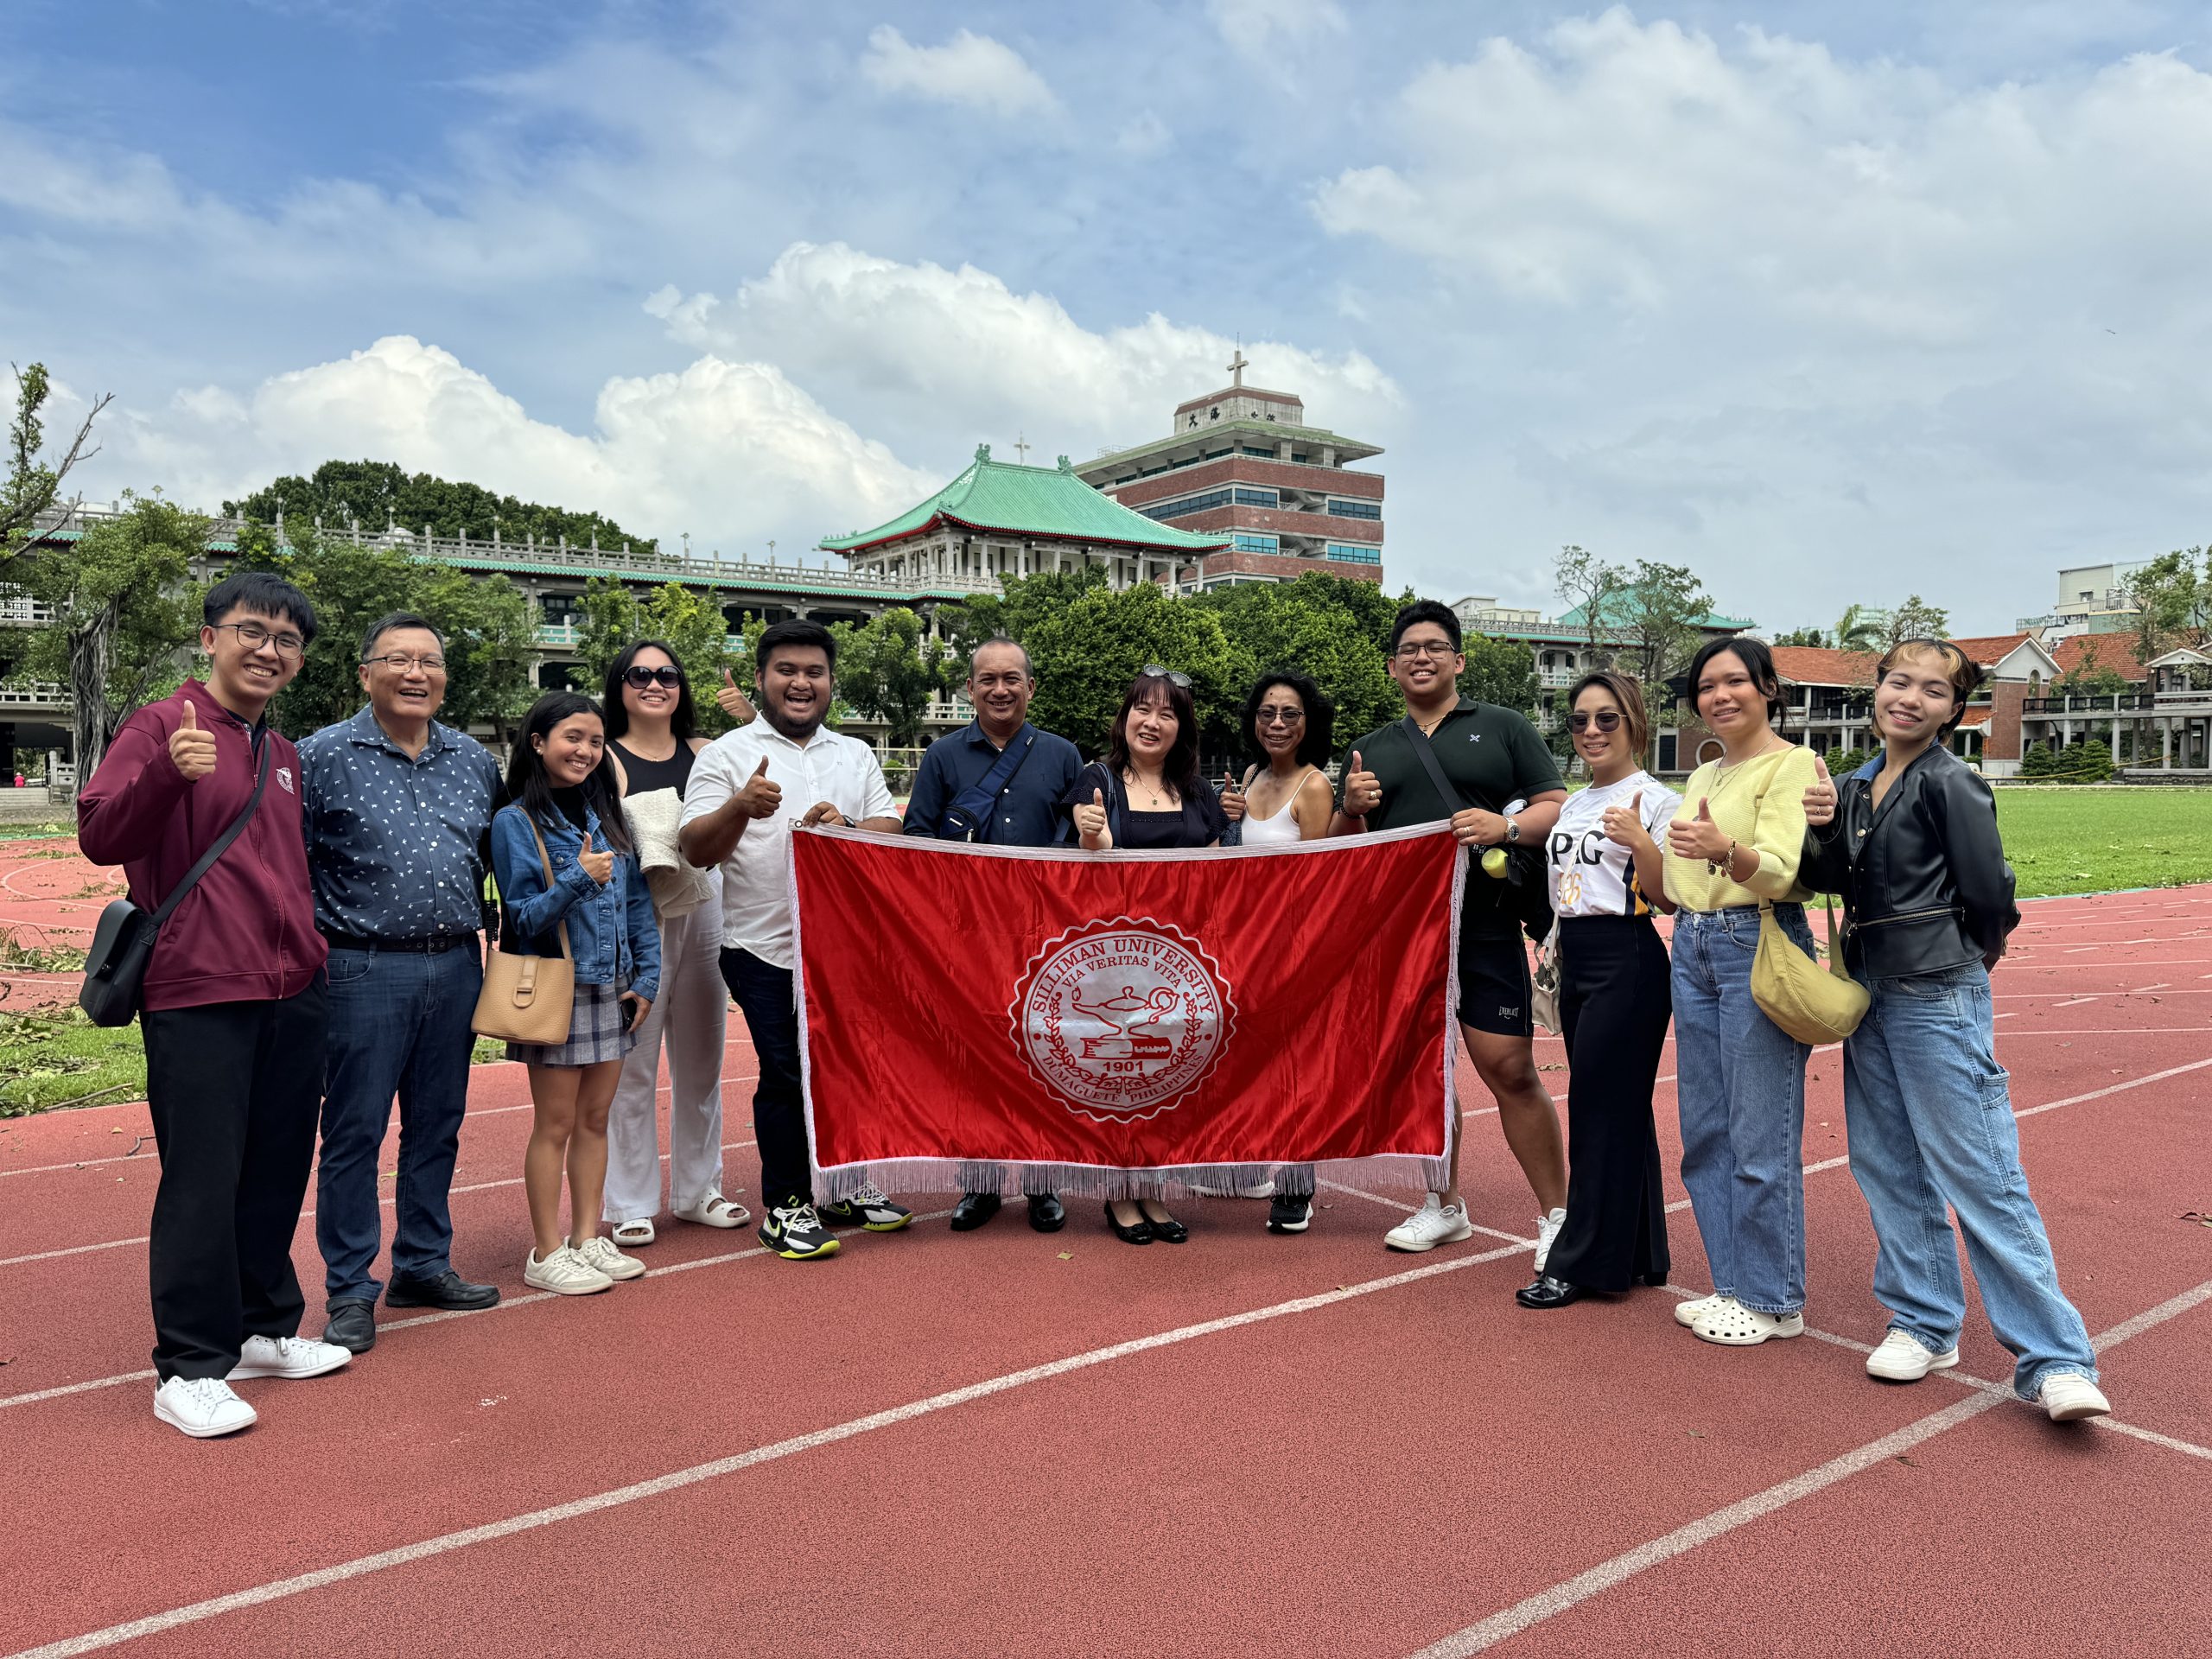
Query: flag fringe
{"type": "Point", "coordinates": [1404, 1172]}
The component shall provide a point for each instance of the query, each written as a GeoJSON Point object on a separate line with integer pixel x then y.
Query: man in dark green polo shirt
{"type": "Point", "coordinates": [1510, 794]}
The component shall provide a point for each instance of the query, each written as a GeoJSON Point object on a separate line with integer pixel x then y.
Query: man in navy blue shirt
{"type": "Point", "coordinates": [999, 780]}
{"type": "Point", "coordinates": [397, 808]}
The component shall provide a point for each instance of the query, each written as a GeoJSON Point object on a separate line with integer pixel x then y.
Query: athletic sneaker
{"type": "Point", "coordinates": [1547, 1229]}
{"type": "Point", "coordinates": [288, 1357]}
{"type": "Point", "coordinates": [795, 1232]}
{"type": "Point", "coordinates": [2067, 1396]}
{"type": "Point", "coordinates": [202, 1406]}
{"type": "Point", "coordinates": [1290, 1212]}
{"type": "Point", "coordinates": [565, 1273]}
{"type": "Point", "coordinates": [1435, 1222]}
{"type": "Point", "coordinates": [1901, 1359]}
{"type": "Point", "coordinates": [868, 1208]}
{"type": "Point", "coordinates": [600, 1251]}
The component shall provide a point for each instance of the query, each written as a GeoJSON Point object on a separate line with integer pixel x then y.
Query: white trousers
{"type": "Point", "coordinates": [690, 1012]}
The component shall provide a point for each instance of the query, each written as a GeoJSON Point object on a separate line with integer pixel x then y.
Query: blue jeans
{"type": "Point", "coordinates": [1740, 1080]}
{"type": "Point", "coordinates": [399, 1025]}
{"type": "Point", "coordinates": [1930, 1120]}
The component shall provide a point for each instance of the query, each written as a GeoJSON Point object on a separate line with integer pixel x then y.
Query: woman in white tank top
{"type": "Point", "coordinates": [1285, 798]}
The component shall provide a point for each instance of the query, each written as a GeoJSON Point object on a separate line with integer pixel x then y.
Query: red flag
{"type": "Point", "coordinates": [1109, 1022]}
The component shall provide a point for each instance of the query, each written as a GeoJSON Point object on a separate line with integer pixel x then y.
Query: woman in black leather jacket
{"type": "Point", "coordinates": [1910, 843]}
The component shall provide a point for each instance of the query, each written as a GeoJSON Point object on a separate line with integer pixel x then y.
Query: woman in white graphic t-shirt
{"type": "Point", "coordinates": [1604, 867]}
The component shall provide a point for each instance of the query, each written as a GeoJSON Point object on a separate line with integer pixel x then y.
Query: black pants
{"type": "Point", "coordinates": [764, 997]}
{"type": "Point", "coordinates": [235, 1089]}
{"type": "Point", "coordinates": [1615, 1001]}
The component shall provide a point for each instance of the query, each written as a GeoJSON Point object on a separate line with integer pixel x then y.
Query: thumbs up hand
{"type": "Point", "coordinates": [760, 798]}
{"type": "Point", "coordinates": [1232, 799]}
{"type": "Point", "coordinates": [191, 750]}
{"type": "Point", "coordinates": [1820, 797]}
{"type": "Point", "coordinates": [1624, 825]}
{"type": "Point", "coordinates": [1698, 837]}
{"type": "Point", "coordinates": [733, 702]}
{"type": "Point", "coordinates": [1090, 823]}
{"type": "Point", "coordinates": [1363, 789]}
{"type": "Point", "coordinates": [600, 866]}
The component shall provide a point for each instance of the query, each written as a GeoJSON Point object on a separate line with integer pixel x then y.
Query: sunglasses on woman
{"type": "Point", "coordinates": [1154, 672]}
{"type": "Point", "coordinates": [1607, 719]}
{"type": "Point", "coordinates": [640, 676]}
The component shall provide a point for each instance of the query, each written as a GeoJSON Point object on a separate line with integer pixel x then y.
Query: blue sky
{"type": "Point", "coordinates": [1830, 303]}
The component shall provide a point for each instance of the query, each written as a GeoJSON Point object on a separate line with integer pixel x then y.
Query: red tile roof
{"type": "Point", "coordinates": [1976, 715]}
{"type": "Point", "coordinates": [1986, 651]}
{"type": "Point", "coordinates": [1817, 665]}
{"type": "Point", "coordinates": [2091, 652]}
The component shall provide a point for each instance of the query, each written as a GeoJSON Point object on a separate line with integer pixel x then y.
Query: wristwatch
{"type": "Point", "coordinates": [1512, 831]}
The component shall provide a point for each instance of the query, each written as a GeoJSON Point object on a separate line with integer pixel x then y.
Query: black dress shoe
{"type": "Point", "coordinates": [973, 1211]}
{"type": "Point", "coordinates": [353, 1327]}
{"type": "Point", "coordinates": [1170, 1231]}
{"type": "Point", "coordinates": [448, 1290]}
{"type": "Point", "coordinates": [1656, 1281]}
{"type": "Point", "coordinates": [1547, 1293]}
{"type": "Point", "coordinates": [1138, 1232]}
{"type": "Point", "coordinates": [1046, 1213]}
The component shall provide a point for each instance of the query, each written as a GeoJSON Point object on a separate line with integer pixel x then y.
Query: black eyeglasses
{"type": "Point", "coordinates": [1280, 717]}
{"type": "Point", "coordinates": [1154, 672]}
{"type": "Point", "coordinates": [640, 676]}
{"type": "Point", "coordinates": [1607, 719]}
{"type": "Point", "coordinates": [253, 636]}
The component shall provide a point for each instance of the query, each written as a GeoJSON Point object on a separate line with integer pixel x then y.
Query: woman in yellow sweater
{"type": "Point", "coordinates": [1734, 844]}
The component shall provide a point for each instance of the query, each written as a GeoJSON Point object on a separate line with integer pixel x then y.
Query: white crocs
{"type": "Point", "coordinates": [1686, 1312]}
{"type": "Point", "coordinates": [1731, 1324]}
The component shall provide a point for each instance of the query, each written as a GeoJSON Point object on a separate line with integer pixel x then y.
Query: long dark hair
{"type": "Point", "coordinates": [1315, 747]}
{"type": "Point", "coordinates": [1179, 770]}
{"type": "Point", "coordinates": [682, 723]}
{"type": "Point", "coordinates": [530, 786]}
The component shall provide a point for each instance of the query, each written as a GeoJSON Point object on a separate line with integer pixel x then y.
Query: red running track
{"type": "Point", "coordinates": [1004, 1443]}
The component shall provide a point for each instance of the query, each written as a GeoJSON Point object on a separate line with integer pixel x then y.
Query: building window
{"type": "Point", "coordinates": [1184, 504]}
{"type": "Point", "coordinates": [1344, 506]}
{"type": "Point", "coordinates": [1250, 498]}
{"type": "Point", "coordinates": [1248, 543]}
{"type": "Point", "coordinates": [1248, 449]}
{"type": "Point", "coordinates": [1355, 552]}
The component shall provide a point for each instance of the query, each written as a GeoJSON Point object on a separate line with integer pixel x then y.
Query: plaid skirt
{"type": "Point", "coordinates": [595, 1033]}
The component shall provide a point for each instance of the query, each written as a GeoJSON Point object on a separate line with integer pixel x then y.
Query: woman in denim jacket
{"type": "Point", "coordinates": [563, 792]}
{"type": "Point", "coordinates": [1910, 843]}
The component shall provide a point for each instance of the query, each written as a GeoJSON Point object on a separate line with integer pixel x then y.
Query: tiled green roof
{"type": "Point", "coordinates": [1619, 613]}
{"type": "Point", "coordinates": [1052, 502]}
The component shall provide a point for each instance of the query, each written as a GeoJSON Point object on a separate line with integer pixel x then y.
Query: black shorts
{"type": "Point", "coordinates": [1495, 994]}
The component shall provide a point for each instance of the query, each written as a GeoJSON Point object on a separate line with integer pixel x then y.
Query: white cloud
{"type": "Point", "coordinates": [1147, 135]}
{"type": "Point", "coordinates": [721, 446]}
{"type": "Point", "coordinates": [1257, 28]}
{"type": "Point", "coordinates": [969, 69]}
{"type": "Point", "coordinates": [930, 352]}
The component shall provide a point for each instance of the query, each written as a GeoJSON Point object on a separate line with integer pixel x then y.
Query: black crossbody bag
{"type": "Point", "coordinates": [122, 944]}
{"type": "Point", "coordinates": [1525, 898]}
{"type": "Point", "coordinates": [969, 816]}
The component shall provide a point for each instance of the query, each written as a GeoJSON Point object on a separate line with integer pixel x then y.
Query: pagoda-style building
{"type": "Point", "coordinates": [1000, 519]}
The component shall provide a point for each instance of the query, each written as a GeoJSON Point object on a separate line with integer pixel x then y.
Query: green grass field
{"type": "Point", "coordinates": [2076, 839]}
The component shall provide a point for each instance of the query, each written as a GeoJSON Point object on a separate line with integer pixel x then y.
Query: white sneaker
{"type": "Point", "coordinates": [1435, 1222]}
{"type": "Point", "coordinates": [1901, 1359]}
{"type": "Point", "coordinates": [2067, 1396]}
{"type": "Point", "coordinates": [1729, 1323]}
{"type": "Point", "coordinates": [203, 1407]}
{"type": "Point", "coordinates": [1228, 1190]}
{"type": "Point", "coordinates": [565, 1273]}
{"type": "Point", "coordinates": [1547, 1229]}
{"type": "Point", "coordinates": [599, 1251]}
{"type": "Point", "coordinates": [1686, 1312]}
{"type": "Point", "coordinates": [288, 1357]}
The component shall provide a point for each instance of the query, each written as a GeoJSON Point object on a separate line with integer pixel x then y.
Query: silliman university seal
{"type": "Point", "coordinates": [1122, 1019]}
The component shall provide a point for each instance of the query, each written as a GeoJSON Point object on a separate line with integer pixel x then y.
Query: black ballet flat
{"type": "Point", "coordinates": [1170, 1231]}
{"type": "Point", "coordinates": [1547, 1293]}
{"type": "Point", "coordinates": [1139, 1233]}
{"type": "Point", "coordinates": [1654, 1280]}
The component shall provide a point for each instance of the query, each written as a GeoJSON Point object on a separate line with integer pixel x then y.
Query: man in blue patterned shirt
{"type": "Point", "coordinates": [397, 808]}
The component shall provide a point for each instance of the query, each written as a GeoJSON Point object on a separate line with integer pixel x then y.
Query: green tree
{"type": "Point", "coordinates": [1024, 602]}
{"type": "Point", "coordinates": [373, 493]}
{"type": "Point", "coordinates": [1088, 653]}
{"type": "Point", "coordinates": [1917, 620]}
{"type": "Point", "coordinates": [1334, 629]}
{"type": "Point", "coordinates": [491, 635]}
{"type": "Point", "coordinates": [2172, 597]}
{"type": "Point", "coordinates": [2038, 761]}
{"type": "Point", "coordinates": [121, 613]}
{"type": "Point", "coordinates": [2087, 762]}
{"type": "Point", "coordinates": [32, 486]}
{"type": "Point", "coordinates": [1498, 670]}
{"type": "Point", "coordinates": [1660, 609]}
{"type": "Point", "coordinates": [607, 618]}
{"type": "Point", "coordinates": [1858, 628]}
{"type": "Point", "coordinates": [1812, 637]}
{"type": "Point", "coordinates": [2085, 679]}
{"type": "Point", "coordinates": [887, 671]}
{"type": "Point", "coordinates": [689, 620]}
{"type": "Point", "coordinates": [1586, 580]}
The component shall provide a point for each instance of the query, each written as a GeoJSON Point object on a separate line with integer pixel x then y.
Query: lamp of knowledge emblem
{"type": "Point", "coordinates": [1122, 1019]}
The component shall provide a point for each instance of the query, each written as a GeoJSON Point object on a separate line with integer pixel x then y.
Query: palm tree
{"type": "Point", "coordinates": [1860, 628]}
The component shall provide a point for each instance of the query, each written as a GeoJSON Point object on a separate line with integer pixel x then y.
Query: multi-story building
{"type": "Point", "coordinates": [1242, 464]}
{"type": "Point", "coordinates": [2091, 599]}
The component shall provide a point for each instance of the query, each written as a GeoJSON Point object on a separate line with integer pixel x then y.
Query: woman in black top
{"type": "Point", "coordinates": [651, 745]}
{"type": "Point", "coordinates": [1145, 794]}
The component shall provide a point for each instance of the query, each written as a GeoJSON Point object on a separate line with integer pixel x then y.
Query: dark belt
{"type": "Point", "coordinates": [430, 946]}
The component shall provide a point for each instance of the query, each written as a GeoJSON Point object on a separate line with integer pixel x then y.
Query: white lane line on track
{"type": "Point", "coordinates": [2074, 1002]}
{"type": "Point", "coordinates": [384, 1202]}
{"type": "Point", "coordinates": [676, 1480]}
{"type": "Point", "coordinates": [1572, 1593]}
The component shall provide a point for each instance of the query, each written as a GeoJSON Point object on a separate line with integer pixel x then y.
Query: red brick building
{"type": "Point", "coordinates": [1242, 462]}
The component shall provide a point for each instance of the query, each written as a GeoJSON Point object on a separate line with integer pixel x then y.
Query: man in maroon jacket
{"type": "Point", "coordinates": [234, 1004]}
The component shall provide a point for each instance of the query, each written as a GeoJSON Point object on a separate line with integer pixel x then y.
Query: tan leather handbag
{"type": "Point", "coordinates": [529, 998]}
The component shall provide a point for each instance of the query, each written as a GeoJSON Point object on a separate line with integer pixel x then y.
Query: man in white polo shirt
{"type": "Point", "coordinates": [749, 788]}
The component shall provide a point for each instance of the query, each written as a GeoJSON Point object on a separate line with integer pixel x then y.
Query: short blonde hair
{"type": "Point", "coordinates": [1962, 671]}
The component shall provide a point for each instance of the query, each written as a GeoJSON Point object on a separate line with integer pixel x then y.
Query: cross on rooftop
{"type": "Point", "coordinates": [1021, 448]}
{"type": "Point", "coordinates": [1236, 367]}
